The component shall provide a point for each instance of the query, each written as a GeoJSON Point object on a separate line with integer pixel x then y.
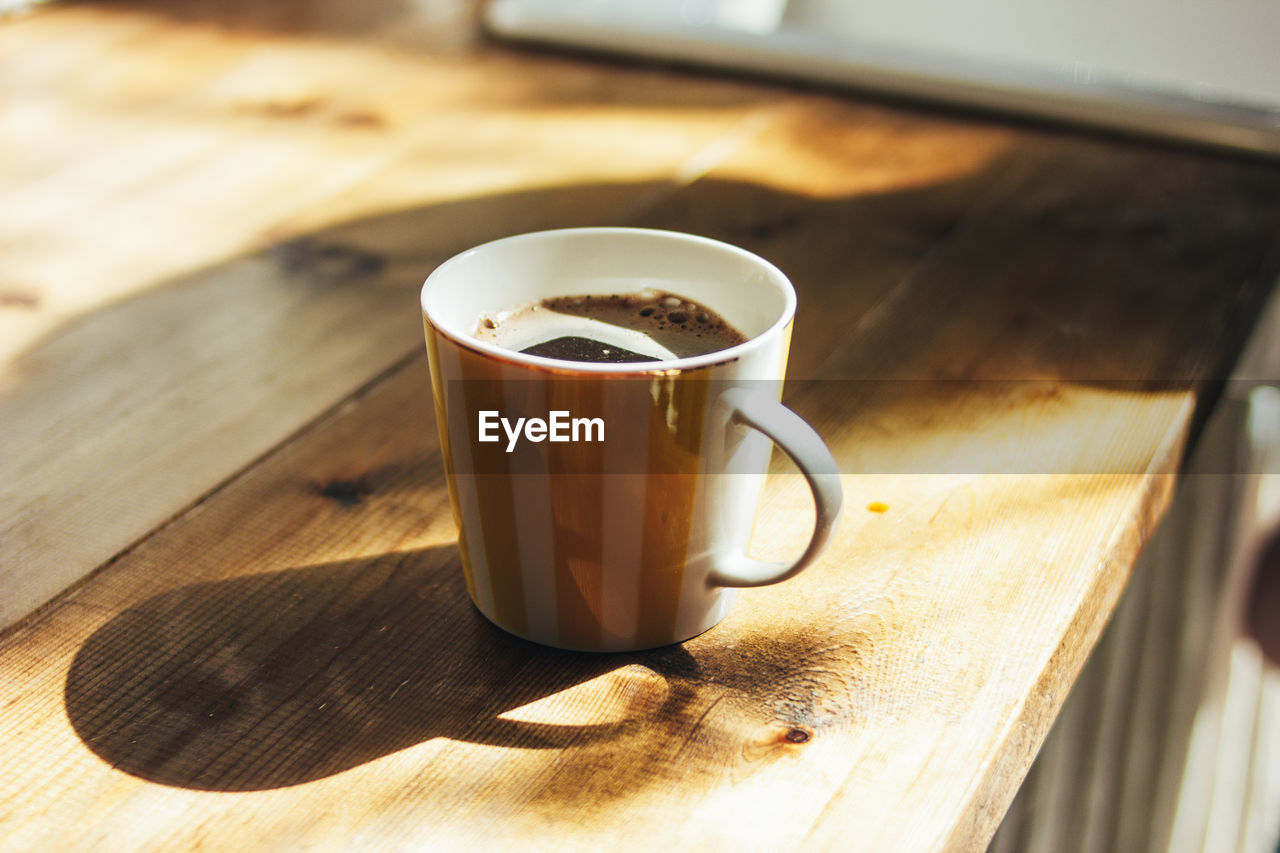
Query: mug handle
{"type": "Point", "coordinates": [810, 454]}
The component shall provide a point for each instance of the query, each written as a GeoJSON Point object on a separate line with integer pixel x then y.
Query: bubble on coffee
{"type": "Point", "coordinates": [648, 325]}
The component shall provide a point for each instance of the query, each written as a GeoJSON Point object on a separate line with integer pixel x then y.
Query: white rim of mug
{"type": "Point", "coordinates": [709, 359]}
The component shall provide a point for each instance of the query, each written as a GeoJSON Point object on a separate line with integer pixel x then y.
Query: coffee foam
{"type": "Point", "coordinates": [654, 323]}
{"type": "Point", "coordinates": [536, 324]}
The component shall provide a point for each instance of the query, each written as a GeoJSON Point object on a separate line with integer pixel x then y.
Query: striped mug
{"type": "Point", "coordinates": [615, 515]}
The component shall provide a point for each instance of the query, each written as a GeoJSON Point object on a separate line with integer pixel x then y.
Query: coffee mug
{"type": "Point", "coordinates": [607, 506]}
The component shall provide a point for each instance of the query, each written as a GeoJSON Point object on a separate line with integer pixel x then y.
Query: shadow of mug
{"type": "Point", "coordinates": [280, 678]}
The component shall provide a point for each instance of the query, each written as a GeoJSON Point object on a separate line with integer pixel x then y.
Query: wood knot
{"type": "Point", "coordinates": [798, 734]}
{"type": "Point", "coordinates": [768, 229]}
{"type": "Point", "coordinates": [345, 492]}
{"type": "Point", "coordinates": [775, 742]}
{"type": "Point", "coordinates": [326, 262]}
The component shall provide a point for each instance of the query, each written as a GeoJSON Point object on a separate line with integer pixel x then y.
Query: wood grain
{"type": "Point", "coordinates": [1004, 335]}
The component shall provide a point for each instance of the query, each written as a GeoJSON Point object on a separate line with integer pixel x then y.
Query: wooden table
{"type": "Point", "coordinates": [235, 613]}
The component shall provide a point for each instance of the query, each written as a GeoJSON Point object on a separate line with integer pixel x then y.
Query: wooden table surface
{"type": "Point", "coordinates": [235, 613]}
